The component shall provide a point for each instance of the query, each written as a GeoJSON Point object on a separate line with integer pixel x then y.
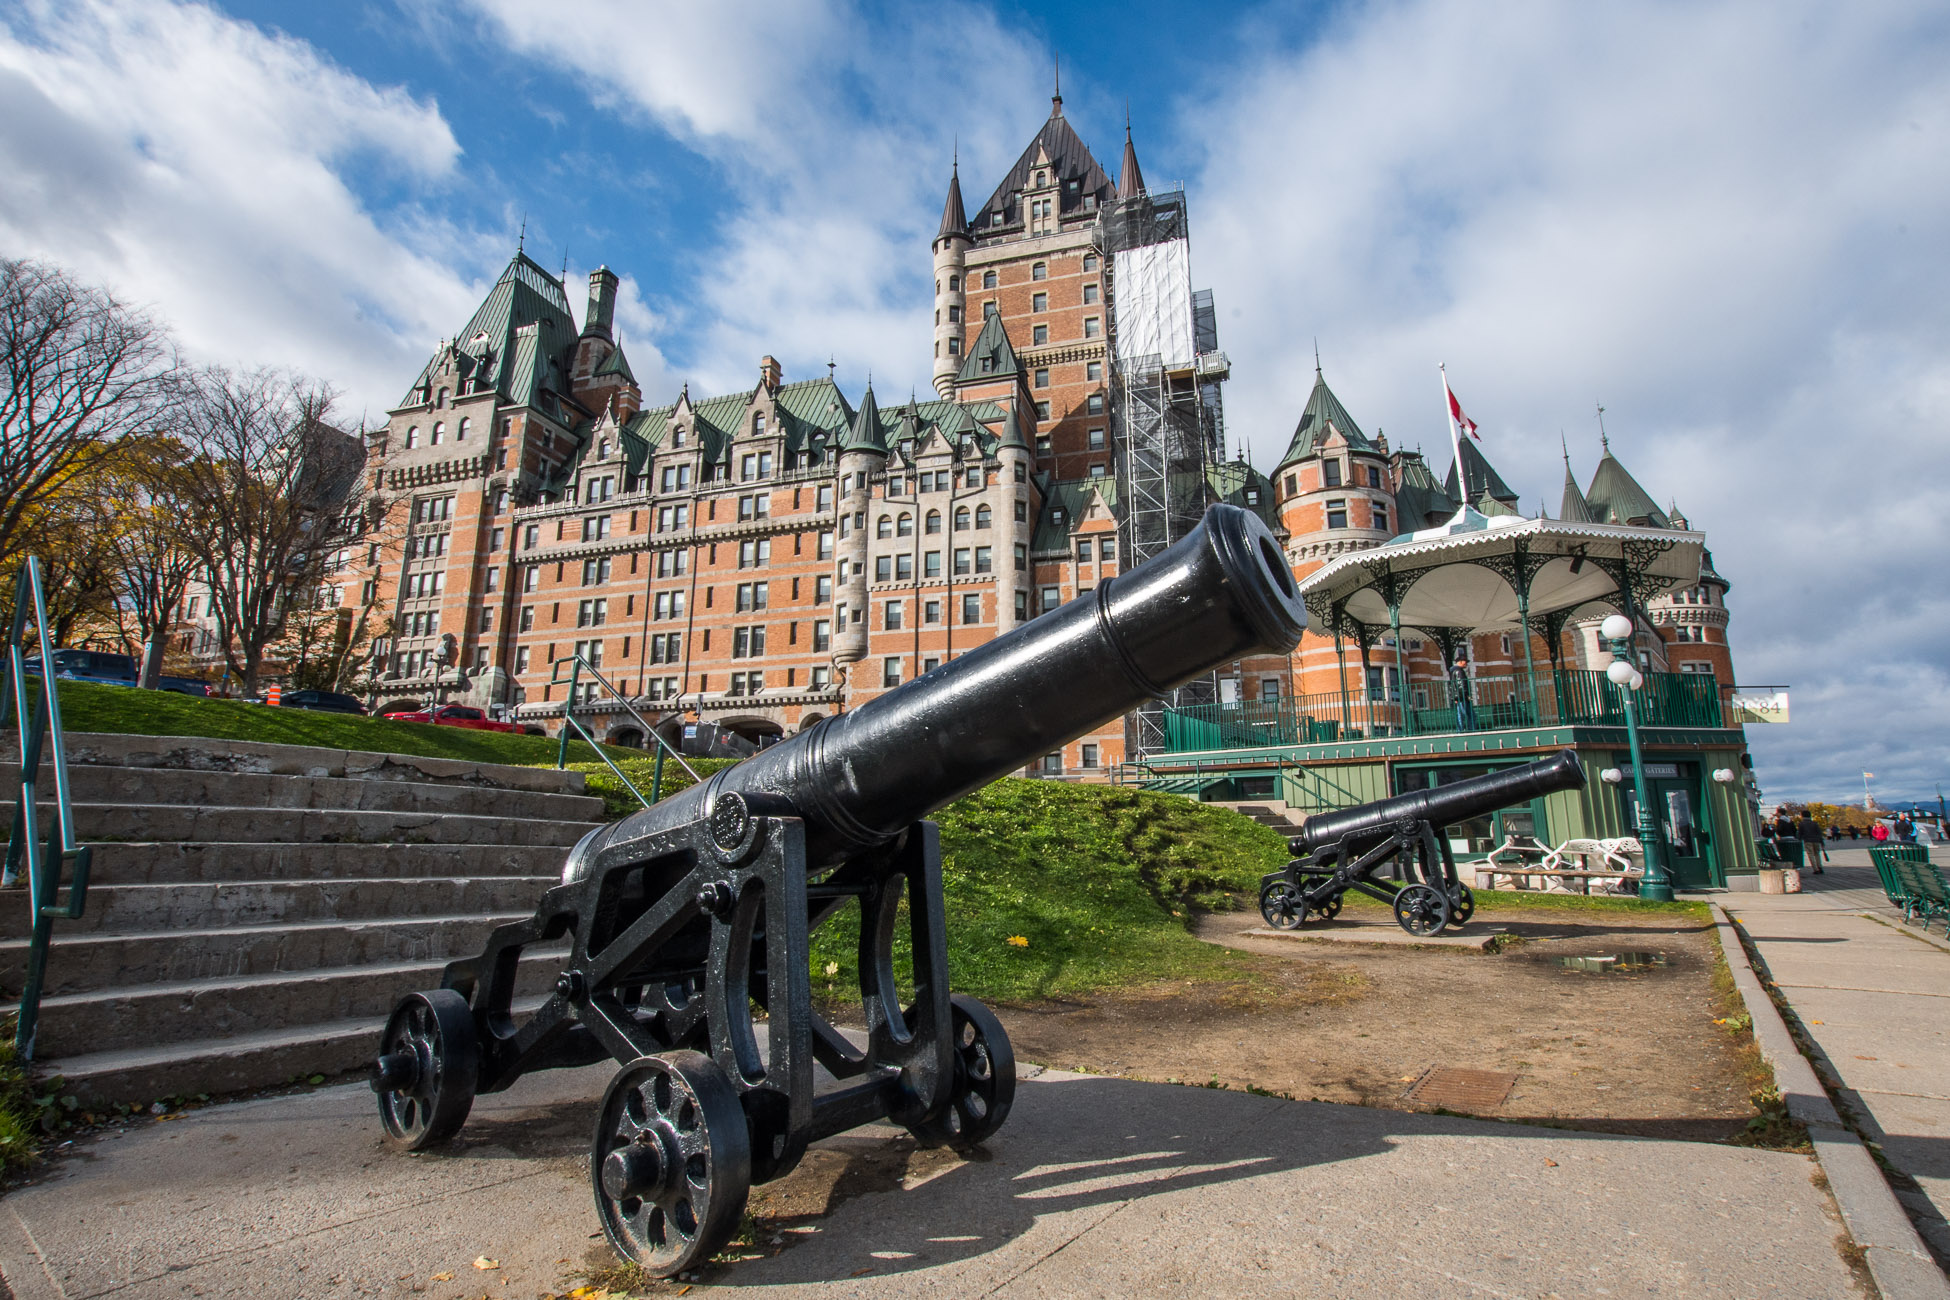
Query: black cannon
{"type": "Point", "coordinates": [684, 917]}
{"type": "Point", "coordinates": [1339, 851]}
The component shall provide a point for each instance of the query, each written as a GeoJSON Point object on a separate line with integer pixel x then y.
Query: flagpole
{"type": "Point", "coordinates": [1455, 443]}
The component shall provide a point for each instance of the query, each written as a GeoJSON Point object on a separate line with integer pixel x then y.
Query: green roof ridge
{"type": "Point", "coordinates": [1615, 496]}
{"type": "Point", "coordinates": [1323, 409]}
{"type": "Point", "coordinates": [991, 343]}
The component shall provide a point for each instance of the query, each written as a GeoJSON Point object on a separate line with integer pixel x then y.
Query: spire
{"type": "Point", "coordinates": [1573, 508]}
{"type": "Point", "coordinates": [954, 219]}
{"type": "Point", "coordinates": [1012, 429]}
{"type": "Point", "coordinates": [865, 435]}
{"type": "Point", "coordinates": [1130, 182]}
{"type": "Point", "coordinates": [1056, 100]}
{"type": "Point", "coordinates": [1615, 496]}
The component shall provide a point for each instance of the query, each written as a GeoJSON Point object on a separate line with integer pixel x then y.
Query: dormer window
{"type": "Point", "coordinates": [1042, 179]}
{"type": "Point", "coordinates": [1252, 496]}
{"type": "Point", "coordinates": [441, 400]}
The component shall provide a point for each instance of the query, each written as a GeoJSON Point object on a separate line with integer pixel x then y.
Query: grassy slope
{"type": "Point", "coordinates": [88, 707]}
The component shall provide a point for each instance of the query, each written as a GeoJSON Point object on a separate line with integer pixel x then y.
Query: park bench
{"type": "Point", "coordinates": [1612, 864]}
{"type": "Point", "coordinates": [1921, 885]}
{"type": "Point", "coordinates": [1884, 858]}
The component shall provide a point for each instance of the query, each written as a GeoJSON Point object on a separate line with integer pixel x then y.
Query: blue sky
{"type": "Point", "coordinates": [1724, 220]}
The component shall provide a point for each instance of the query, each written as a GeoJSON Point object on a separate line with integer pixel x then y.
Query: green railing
{"type": "Point", "coordinates": [40, 737]}
{"type": "Point", "coordinates": [577, 666]}
{"type": "Point", "coordinates": [1569, 697]}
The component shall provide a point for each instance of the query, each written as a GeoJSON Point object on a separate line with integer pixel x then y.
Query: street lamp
{"type": "Point", "coordinates": [1616, 631]}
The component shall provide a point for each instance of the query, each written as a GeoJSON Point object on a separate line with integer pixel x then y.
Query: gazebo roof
{"type": "Point", "coordinates": [1465, 575]}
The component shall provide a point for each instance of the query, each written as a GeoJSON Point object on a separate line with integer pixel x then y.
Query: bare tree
{"type": "Point", "coordinates": [266, 489]}
{"type": "Point", "coordinates": [153, 568]}
{"type": "Point", "coordinates": [80, 370]}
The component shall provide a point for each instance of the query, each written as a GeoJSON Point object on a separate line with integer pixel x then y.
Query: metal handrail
{"type": "Point", "coordinates": [576, 664]}
{"type": "Point", "coordinates": [36, 730]}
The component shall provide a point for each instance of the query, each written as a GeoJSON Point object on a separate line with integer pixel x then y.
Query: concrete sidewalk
{"type": "Point", "coordinates": [1875, 1001]}
{"type": "Point", "coordinates": [1096, 1187]}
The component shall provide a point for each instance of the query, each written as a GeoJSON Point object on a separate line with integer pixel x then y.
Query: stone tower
{"type": "Point", "coordinates": [950, 303]}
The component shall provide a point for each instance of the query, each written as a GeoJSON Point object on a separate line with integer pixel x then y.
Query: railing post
{"type": "Point", "coordinates": [657, 777]}
{"type": "Point", "coordinates": [568, 706]}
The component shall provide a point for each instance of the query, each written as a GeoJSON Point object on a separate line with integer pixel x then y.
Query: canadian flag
{"type": "Point", "coordinates": [1463, 422]}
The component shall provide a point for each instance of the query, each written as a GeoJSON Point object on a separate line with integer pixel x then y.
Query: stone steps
{"type": "Point", "coordinates": [255, 911]}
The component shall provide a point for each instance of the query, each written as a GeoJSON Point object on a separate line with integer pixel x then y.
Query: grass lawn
{"type": "Point", "coordinates": [86, 706]}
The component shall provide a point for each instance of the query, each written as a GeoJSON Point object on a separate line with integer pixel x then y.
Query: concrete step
{"type": "Point", "coordinates": [151, 863]}
{"type": "Point", "coordinates": [197, 753]}
{"type": "Point", "coordinates": [136, 909]}
{"type": "Point", "coordinates": [242, 824]}
{"type": "Point", "coordinates": [153, 1015]}
{"type": "Point", "coordinates": [133, 785]}
{"type": "Point", "coordinates": [93, 963]}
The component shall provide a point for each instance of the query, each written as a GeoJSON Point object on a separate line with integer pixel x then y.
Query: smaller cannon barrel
{"type": "Point", "coordinates": [1444, 805]}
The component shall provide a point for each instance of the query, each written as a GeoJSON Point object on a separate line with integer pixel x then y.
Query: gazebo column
{"type": "Point", "coordinates": [1401, 669]}
{"type": "Point", "coordinates": [1529, 659]}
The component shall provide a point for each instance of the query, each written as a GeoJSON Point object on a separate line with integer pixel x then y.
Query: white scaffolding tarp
{"type": "Point", "coordinates": [1154, 302]}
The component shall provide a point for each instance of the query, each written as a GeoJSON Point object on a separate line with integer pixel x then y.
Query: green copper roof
{"type": "Point", "coordinates": [1063, 505]}
{"type": "Point", "coordinates": [491, 348]}
{"type": "Point", "coordinates": [1489, 507]}
{"type": "Point", "coordinates": [954, 221]}
{"type": "Point", "coordinates": [1420, 501]}
{"type": "Point", "coordinates": [1237, 483]}
{"type": "Point", "coordinates": [1482, 477]}
{"type": "Point", "coordinates": [615, 364]}
{"type": "Point", "coordinates": [1574, 508]}
{"type": "Point", "coordinates": [1011, 430]}
{"type": "Point", "coordinates": [866, 433]}
{"type": "Point", "coordinates": [990, 356]}
{"type": "Point", "coordinates": [1323, 409]}
{"type": "Point", "coordinates": [1616, 498]}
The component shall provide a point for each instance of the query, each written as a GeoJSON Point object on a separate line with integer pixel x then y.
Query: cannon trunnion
{"type": "Point", "coordinates": [689, 924]}
{"type": "Point", "coordinates": [1342, 850]}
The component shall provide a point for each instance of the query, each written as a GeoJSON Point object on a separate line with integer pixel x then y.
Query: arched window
{"type": "Point", "coordinates": [602, 449]}
{"type": "Point", "coordinates": [412, 435]}
{"type": "Point", "coordinates": [954, 284]}
{"type": "Point", "coordinates": [988, 279]}
{"type": "Point", "coordinates": [961, 519]}
{"type": "Point", "coordinates": [934, 517]}
{"type": "Point", "coordinates": [1040, 271]}
{"type": "Point", "coordinates": [885, 528]}
{"type": "Point", "coordinates": [438, 429]}
{"type": "Point", "coordinates": [983, 516]}
{"type": "Point", "coordinates": [441, 400]}
{"type": "Point", "coordinates": [906, 527]}
{"type": "Point", "coordinates": [460, 430]}
{"type": "Point", "coordinates": [758, 424]}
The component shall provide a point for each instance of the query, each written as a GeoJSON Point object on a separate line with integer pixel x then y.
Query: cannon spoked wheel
{"type": "Point", "coordinates": [1282, 905]}
{"type": "Point", "coordinates": [1462, 905]}
{"type": "Point", "coordinates": [672, 1161]}
{"type": "Point", "coordinates": [1421, 910]}
{"type": "Point", "coordinates": [984, 1086]}
{"type": "Point", "coordinates": [427, 1068]}
{"type": "Point", "coordinates": [1328, 910]}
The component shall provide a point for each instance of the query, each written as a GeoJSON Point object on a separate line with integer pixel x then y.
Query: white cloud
{"type": "Point", "coordinates": [198, 165]}
{"type": "Point", "coordinates": [1726, 221]}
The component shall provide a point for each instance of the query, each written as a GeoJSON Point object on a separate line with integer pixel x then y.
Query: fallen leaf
{"type": "Point", "coordinates": [443, 1277]}
{"type": "Point", "coordinates": [485, 1264]}
{"type": "Point", "coordinates": [1817, 1022]}
{"type": "Point", "coordinates": [862, 1272]}
{"type": "Point", "coordinates": [1551, 1163]}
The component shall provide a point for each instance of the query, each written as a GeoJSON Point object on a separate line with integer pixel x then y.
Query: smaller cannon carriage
{"type": "Point", "coordinates": [1338, 851]}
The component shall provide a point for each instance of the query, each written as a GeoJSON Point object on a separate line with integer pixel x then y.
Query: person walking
{"type": "Point", "coordinates": [1810, 831]}
{"type": "Point", "coordinates": [1879, 832]}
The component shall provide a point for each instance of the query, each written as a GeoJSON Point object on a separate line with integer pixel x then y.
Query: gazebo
{"type": "Point", "coordinates": [1480, 574]}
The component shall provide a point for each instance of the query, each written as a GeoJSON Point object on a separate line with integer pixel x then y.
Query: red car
{"type": "Point", "coordinates": [453, 715]}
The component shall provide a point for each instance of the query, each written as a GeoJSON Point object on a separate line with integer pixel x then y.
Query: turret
{"type": "Point", "coordinates": [863, 455]}
{"type": "Point", "coordinates": [950, 301]}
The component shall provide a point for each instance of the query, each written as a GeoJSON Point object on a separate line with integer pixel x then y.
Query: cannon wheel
{"type": "Point", "coordinates": [1462, 905]}
{"type": "Point", "coordinates": [1282, 906]}
{"type": "Point", "coordinates": [428, 1064]}
{"type": "Point", "coordinates": [671, 1164]}
{"type": "Point", "coordinates": [1421, 910]}
{"type": "Point", "coordinates": [1330, 909]}
{"type": "Point", "coordinates": [984, 1085]}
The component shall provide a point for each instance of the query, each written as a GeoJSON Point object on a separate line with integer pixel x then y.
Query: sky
{"type": "Point", "coordinates": [1726, 222]}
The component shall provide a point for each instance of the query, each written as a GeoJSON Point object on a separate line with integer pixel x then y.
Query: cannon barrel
{"type": "Point", "coordinates": [1220, 593]}
{"type": "Point", "coordinates": [1444, 805]}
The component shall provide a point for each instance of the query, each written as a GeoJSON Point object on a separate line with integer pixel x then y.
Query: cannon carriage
{"type": "Point", "coordinates": [1343, 850]}
{"type": "Point", "coordinates": [689, 923]}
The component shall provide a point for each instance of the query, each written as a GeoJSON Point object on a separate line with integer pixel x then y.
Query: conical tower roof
{"type": "Point", "coordinates": [1482, 478]}
{"type": "Point", "coordinates": [1011, 429]}
{"type": "Point", "coordinates": [1130, 181]}
{"type": "Point", "coordinates": [1574, 508]}
{"type": "Point", "coordinates": [1323, 409]}
{"type": "Point", "coordinates": [954, 221]}
{"type": "Point", "coordinates": [1069, 160]}
{"type": "Point", "coordinates": [1615, 497]}
{"type": "Point", "coordinates": [615, 364]}
{"type": "Point", "coordinates": [865, 434]}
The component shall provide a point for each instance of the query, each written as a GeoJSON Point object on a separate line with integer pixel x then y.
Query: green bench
{"type": "Point", "coordinates": [1913, 883]}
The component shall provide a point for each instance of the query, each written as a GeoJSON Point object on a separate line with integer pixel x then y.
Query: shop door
{"type": "Point", "coordinates": [1683, 834]}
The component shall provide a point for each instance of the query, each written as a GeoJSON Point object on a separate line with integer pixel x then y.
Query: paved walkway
{"type": "Point", "coordinates": [1876, 1003]}
{"type": "Point", "coordinates": [1096, 1187]}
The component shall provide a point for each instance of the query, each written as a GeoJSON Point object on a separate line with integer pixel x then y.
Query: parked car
{"type": "Point", "coordinates": [322, 702]}
{"type": "Point", "coordinates": [453, 715]}
{"type": "Point", "coordinates": [184, 686]}
{"type": "Point", "coordinates": [88, 666]}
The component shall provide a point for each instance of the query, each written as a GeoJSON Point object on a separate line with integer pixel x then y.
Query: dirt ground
{"type": "Point", "coordinates": [1631, 1053]}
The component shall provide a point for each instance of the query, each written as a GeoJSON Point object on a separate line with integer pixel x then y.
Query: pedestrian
{"type": "Point", "coordinates": [1810, 831]}
{"type": "Point", "coordinates": [1905, 829]}
{"type": "Point", "coordinates": [1879, 832]}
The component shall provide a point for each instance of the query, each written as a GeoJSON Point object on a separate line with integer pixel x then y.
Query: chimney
{"type": "Point", "coordinates": [602, 302]}
{"type": "Point", "coordinates": [769, 373]}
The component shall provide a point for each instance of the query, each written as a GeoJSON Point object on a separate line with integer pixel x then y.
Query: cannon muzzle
{"type": "Point", "coordinates": [1222, 592]}
{"type": "Point", "coordinates": [1442, 806]}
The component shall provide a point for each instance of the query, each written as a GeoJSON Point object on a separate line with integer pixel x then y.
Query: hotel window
{"type": "Point", "coordinates": [1039, 334]}
{"type": "Point", "coordinates": [931, 611]}
{"type": "Point", "coordinates": [890, 617]}
{"type": "Point", "coordinates": [753, 595]}
{"type": "Point", "coordinates": [1022, 558]}
{"type": "Point", "coordinates": [1374, 476]}
{"type": "Point", "coordinates": [1042, 410]}
{"type": "Point", "coordinates": [1094, 404]}
{"type": "Point", "coordinates": [961, 560]}
{"type": "Point", "coordinates": [1096, 440]}
{"type": "Point", "coordinates": [989, 308]}
{"type": "Point", "coordinates": [412, 437]}
{"type": "Point", "coordinates": [961, 519]}
{"type": "Point", "coordinates": [592, 613]}
{"type": "Point", "coordinates": [822, 635]}
{"type": "Point", "coordinates": [1089, 261]}
{"type": "Point", "coordinates": [758, 424]}
{"type": "Point", "coordinates": [1089, 294]}
{"type": "Point", "coordinates": [825, 546]}
{"type": "Point", "coordinates": [748, 642]}
{"type": "Point", "coordinates": [1042, 378]}
{"type": "Point", "coordinates": [1292, 484]}
{"type": "Point", "coordinates": [954, 345]}
{"type": "Point", "coordinates": [983, 517]}
{"type": "Point", "coordinates": [1330, 473]}
{"type": "Point", "coordinates": [884, 528]}
{"type": "Point", "coordinates": [988, 279]}
{"type": "Point", "coordinates": [1381, 518]}
{"type": "Point", "coordinates": [824, 498]}
{"type": "Point", "coordinates": [821, 678]}
{"type": "Point", "coordinates": [673, 564]}
{"type": "Point", "coordinates": [954, 315]}
{"type": "Point", "coordinates": [1022, 509]}
{"type": "Point", "coordinates": [904, 568]}
{"type": "Point", "coordinates": [1107, 548]}
{"type": "Point", "coordinates": [595, 529]}
{"type": "Point", "coordinates": [1087, 756]}
{"type": "Point", "coordinates": [527, 618]}
{"type": "Point", "coordinates": [754, 507]}
{"type": "Point", "coordinates": [755, 554]}
{"type": "Point", "coordinates": [1042, 444]}
{"type": "Point", "coordinates": [1039, 302]}
{"type": "Point", "coordinates": [1091, 327]}
{"type": "Point", "coordinates": [883, 568]}
{"type": "Point", "coordinates": [984, 559]}
{"type": "Point", "coordinates": [595, 571]}
{"type": "Point", "coordinates": [1098, 471]}
{"type": "Point", "coordinates": [1050, 598]}
{"type": "Point", "coordinates": [1022, 606]}
{"type": "Point", "coordinates": [531, 578]}
{"type": "Point", "coordinates": [904, 527]}
{"type": "Point", "coordinates": [822, 590]}
{"type": "Point", "coordinates": [1040, 271]}
{"type": "Point", "coordinates": [971, 609]}
{"type": "Point", "coordinates": [1093, 371]}
{"type": "Point", "coordinates": [890, 671]}
{"type": "Point", "coordinates": [521, 659]}
{"type": "Point", "coordinates": [591, 652]}
{"type": "Point", "coordinates": [931, 564]}
{"type": "Point", "coordinates": [1337, 514]}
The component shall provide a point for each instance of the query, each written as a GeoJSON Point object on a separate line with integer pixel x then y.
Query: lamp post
{"type": "Point", "coordinates": [1617, 633]}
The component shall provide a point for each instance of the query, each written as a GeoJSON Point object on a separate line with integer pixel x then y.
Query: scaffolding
{"type": "Point", "coordinates": [1166, 412]}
